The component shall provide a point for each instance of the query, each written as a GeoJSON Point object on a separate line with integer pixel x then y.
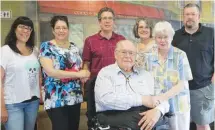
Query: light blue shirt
{"type": "Point", "coordinates": [115, 90]}
{"type": "Point", "coordinates": [175, 69]}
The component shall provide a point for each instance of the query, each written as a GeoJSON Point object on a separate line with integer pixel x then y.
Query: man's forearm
{"type": "Point", "coordinates": [115, 101]}
{"type": "Point", "coordinates": [148, 102]}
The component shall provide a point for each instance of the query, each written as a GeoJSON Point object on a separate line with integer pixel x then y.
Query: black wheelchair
{"type": "Point", "coordinates": [93, 122]}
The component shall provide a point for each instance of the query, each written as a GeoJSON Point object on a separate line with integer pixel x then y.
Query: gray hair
{"type": "Point", "coordinates": [163, 27]}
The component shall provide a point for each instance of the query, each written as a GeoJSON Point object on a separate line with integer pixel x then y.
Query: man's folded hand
{"type": "Point", "coordinates": [149, 119]}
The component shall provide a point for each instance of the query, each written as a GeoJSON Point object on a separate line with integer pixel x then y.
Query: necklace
{"type": "Point", "coordinates": [62, 44]}
{"type": "Point", "coordinates": [145, 45]}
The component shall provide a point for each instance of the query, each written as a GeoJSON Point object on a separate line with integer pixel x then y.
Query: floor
{"type": "Point", "coordinates": [83, 123]}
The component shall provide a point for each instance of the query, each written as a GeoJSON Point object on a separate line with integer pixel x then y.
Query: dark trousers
{"type": "Point", "coordinates": [89, 97]}
{"type": "Point", "coordinates": [65, 118]}
{"type": "Point", "coordinates": [125, 119]}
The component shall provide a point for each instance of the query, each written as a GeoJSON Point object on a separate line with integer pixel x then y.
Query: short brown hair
{"type": "Point", "coordinates": [105, 9]}
{"type": "Point", "coordinates": [192, 5]}
{"type": "Point", "coordinates": [148, 23]}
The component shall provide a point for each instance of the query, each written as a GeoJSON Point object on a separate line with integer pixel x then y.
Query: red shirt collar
{"type": "Point", "coordinates": [101, 37]}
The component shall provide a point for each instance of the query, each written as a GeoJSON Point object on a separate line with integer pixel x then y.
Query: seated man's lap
{"type": "Point", "coordinates": [124, 119]}
{"type": "Point", "coordinates": [120, 119]}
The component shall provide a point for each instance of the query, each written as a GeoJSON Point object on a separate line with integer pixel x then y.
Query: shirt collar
{"type": "Point", "coordinates": [198, 31]}
{"type": "Point", "coordinates": [170, 53]}
{"type": "Point", "coordinates": [118, 70]}
{"type": "Point", "coordinates": [101, 37]}
{"type": "Point", "coordinates": [169, 56]}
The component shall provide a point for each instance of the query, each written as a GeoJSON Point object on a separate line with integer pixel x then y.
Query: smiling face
{"type": "Point", "coordinates": [143, 30]}
{"type": "Point", "coordinates": [125, 54]}
{"type": "Point", "coordinates": [163, 40]}
{"type": "Point", "coordinates": [23, 33]}
{"type": "Point", "coordinates": [163, 34]}
{"type": "Point", "coordinates": [106, 21]}
{"type": "Point", "coordinates": [191, 17]}
{"type": "Point", "coordinates": [61, 31]}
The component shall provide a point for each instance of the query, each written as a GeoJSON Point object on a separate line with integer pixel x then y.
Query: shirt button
{"type": "Point", "coordinates": [191, 40]}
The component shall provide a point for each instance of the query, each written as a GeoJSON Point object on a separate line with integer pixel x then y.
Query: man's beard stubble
{"type": "Point", "coordinates": [190, 26]}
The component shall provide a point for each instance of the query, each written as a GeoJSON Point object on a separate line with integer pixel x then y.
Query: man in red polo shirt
{"type": "Point", "coordinates": [99, 48]}
{"type": "Point", "coordinates": [98, 52]}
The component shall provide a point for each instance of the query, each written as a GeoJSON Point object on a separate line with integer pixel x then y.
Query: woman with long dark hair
{"type": "Point", "coordinates": [20, 70]}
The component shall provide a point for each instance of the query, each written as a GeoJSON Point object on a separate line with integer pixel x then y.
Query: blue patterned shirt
{"type": "Point", "coordinates": [61, 92]}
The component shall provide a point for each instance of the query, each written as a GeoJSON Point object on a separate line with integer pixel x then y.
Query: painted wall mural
{"type": "Point", "coordinates": [83, 15]}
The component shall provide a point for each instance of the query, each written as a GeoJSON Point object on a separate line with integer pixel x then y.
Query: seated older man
{"type": "Point", "coordinates": [123, 94]}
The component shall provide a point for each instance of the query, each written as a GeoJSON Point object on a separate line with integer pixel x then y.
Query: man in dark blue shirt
{"type": "Point", "coordinates": [198, 43]}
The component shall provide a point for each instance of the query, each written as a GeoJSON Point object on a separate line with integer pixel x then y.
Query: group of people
{"type": "Point", "coordinates": [136, 84]}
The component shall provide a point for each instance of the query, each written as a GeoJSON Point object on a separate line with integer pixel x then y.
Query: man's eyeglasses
{"type": "Point", "coordinates": [125, 53]}
{"type": "Point", "coordinates": [107, 18]}
{"type": "Point", "coordinates": [23, 27]}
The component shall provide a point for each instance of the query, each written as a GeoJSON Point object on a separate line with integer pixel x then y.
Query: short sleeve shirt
{"type": "Point", "coordinates": [21, 81]}
{"type": "Point", "coordinates": [168, 74]}
{"type": "Point", "coordinates": [99, 51]}
{"type": "Point", "coordinates": [61, 92]}
{"type": "Point", "coordinates": [199, 48]}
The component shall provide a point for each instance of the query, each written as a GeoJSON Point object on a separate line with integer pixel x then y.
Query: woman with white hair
{"type": "Point", "coordinates": [171, 70]}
